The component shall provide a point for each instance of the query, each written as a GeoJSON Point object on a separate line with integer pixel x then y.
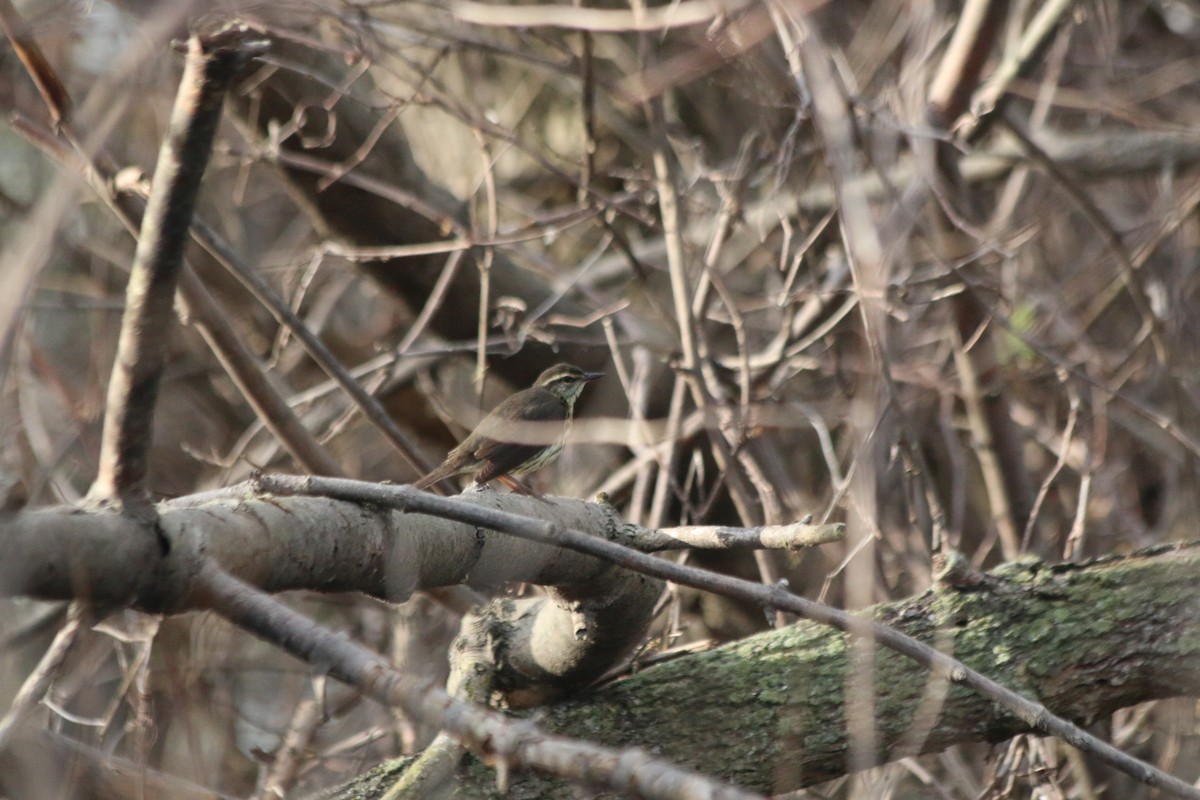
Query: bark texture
{"type": "Point", "coordinates": [769, 712]}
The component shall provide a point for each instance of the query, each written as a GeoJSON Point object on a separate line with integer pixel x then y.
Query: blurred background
{"type": "Point", "coordinates": [813, 293]}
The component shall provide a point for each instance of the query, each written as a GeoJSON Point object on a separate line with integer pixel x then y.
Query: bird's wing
{"type": "Point", "coordinates": [503, 456]}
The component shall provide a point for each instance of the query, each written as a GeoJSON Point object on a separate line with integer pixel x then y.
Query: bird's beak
{"type": "Point", "coordinates": [591, 376]}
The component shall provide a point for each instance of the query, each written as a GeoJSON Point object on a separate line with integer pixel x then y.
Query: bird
{"type": "Point", "coordinates": [498, 450]}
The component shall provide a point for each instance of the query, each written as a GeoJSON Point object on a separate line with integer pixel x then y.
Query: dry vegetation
{"type": "Point", "coordinates": [830, 270]}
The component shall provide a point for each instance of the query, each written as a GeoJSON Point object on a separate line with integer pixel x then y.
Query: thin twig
{"type": "Point", "coordinates": [18, 31]}
{"type": "Point", "coordinates": [1112, 240]}
{"type": "Point", "coordinates": [306, 719]}
{"type": "Point", "coordinates": [484, 264]}
{"type": "Point", "coordinates": [587, 99]}
{"type": "Point", "coordinates": [243, 367]}
{"type": "Point", "coordinates": [35, 686]}
{"type": "Point", "coordinates": [372, 410]}
{"type": "Point", "coordinates": [985, 451]}
{"type": "Point", "coordinates": [688, 301]}
{"type": "Point", "coordinates": [958, 73]}
{"type": "Point", "coordinates": [433, 302]}
{"type": "Point", "coordinates": [251, 379]}
{"type": "Point", "coordinates": [992, 93]}
{"type": "Point", "coordinates": [1067, 438]}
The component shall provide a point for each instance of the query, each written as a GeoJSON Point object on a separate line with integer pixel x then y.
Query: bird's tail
{"type": "Point", "coordinates": [439, 474]}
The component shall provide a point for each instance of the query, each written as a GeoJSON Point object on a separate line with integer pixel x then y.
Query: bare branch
{"type": "Point", "coordinates": [513, 743]}
{"type": "Point", "coordinates": [679, 14]}
{"type": "Point", "coordinates": [54, 94]}
{"type": "Point", "coordinates": [34, 765]}
{"type": "Point", "coordinates": [942, 666]}
{"type": "Point", "coordinates": [149, 315]}
{"type": "Point", "coordinates": [38, 681]}
{"type": "Point", "coordinates": [251, 379]}
{"type": "Point", "coordinates": [795, 536]}
{"type": "Point", "coordinates": [243, 367]}
{"type": "Point", "coordinates": [53, 534]}
{"type": "Point", "coordinates": [225, 255]}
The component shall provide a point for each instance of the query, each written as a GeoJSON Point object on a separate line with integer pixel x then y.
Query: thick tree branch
{"type": "Point", "coordinates": [512, 743]}
{"type": "Point", "coordinates": [389, 564]}
{"type": "Point", "coordinates": [282, 543]}
{"type": "Point", "coordinates": [279, 543]}
{"type": "Point", "coordinates": [393, 567]}
{"type": "Point", "coordinates": [942, 666]}
{"type": "Point", "coordinates": [768, 712]}
{"type": "Point", "coordinates": [149, 316]}
{"type": "Point", "coordinates": [592, 616]}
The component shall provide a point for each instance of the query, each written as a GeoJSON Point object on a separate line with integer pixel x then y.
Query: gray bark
{"type": "Point", "coordinates": [769, 712]}
{"type": "Point", "coordinates": [593, 613]}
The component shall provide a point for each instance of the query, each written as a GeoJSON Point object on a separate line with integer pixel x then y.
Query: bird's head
{"type": "Point", "coordinates": [565, 381]}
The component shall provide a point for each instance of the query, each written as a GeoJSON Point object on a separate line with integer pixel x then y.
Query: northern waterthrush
{"type": "Point", "coordinates": [522, 434]}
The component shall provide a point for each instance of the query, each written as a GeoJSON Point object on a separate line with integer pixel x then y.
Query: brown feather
{"type": "Point", "coordinates": [489, 452]}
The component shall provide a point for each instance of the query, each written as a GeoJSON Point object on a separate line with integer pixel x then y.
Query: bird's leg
{"type": "Point", "coordinates": [520, 487]}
